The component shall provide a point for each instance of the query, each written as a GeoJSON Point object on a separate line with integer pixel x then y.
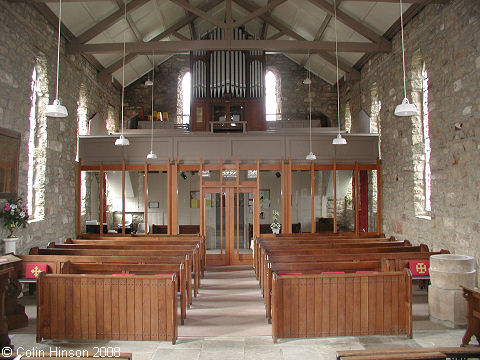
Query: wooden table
{"type": "Point", "coordinates": [4, 339]}
{"type": "Point", "coordinates": [14, 312]}
{"type": "Point", "coordinates": [473, 316]}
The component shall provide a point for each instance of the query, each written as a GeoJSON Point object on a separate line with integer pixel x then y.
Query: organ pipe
{"type": "Point", "coordinates": [227, 70]}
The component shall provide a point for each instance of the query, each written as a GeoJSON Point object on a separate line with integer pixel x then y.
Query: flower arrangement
{"type": "Point", "coordinates": [14, 215]}
{"type": "Point", "coordinates": [275, 225]}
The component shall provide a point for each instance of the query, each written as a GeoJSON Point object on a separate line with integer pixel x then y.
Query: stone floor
{"type": "Point", "coordinates": [210, 334]}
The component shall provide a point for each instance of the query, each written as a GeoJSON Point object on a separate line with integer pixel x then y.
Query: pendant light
{"type": "Point", "coordinates": [57, 109]}
{"type": "Point", "coordinates": [405, 108]}
{"type": "Point", "coordinates": [122, 140]}
{"type": "Point", "coordinates": [152, 155]}
{"type": "Point", "coordinates": [149, 82]}
{"type": "Point", "coordinates": [339, 140]}
{"type": "Point", "coordinates": [308, 81]}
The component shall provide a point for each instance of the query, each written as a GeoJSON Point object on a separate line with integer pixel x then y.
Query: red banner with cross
{"type": "Point", "coordinates": [419, 268]}
{"type": "Point", "coordinates": [33, 270]}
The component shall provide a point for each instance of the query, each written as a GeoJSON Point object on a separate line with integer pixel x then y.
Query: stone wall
{"type": "Point", "coordinates": [445, 39]}
{"type": "Point", "coordinates": [28, 42]}
{"type": "Point", "coordinates": [293, 92]}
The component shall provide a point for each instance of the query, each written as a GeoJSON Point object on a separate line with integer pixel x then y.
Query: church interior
{"type": "Point", "coordinates": [246, 179]}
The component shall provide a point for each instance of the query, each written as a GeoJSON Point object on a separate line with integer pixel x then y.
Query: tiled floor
{"type": "Point", "coordinates": [210, 334]}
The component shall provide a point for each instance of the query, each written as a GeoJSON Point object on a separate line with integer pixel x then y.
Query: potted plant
{"type": "Point", "coordinates": [275, 225]}
{"type": "Point", "coordinates": [14, 215]}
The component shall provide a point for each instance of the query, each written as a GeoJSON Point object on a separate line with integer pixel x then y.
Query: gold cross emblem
{"type": "Point", "coordinates": [421, 268]}
{"type": "Point", "coordinates": [35, 271]}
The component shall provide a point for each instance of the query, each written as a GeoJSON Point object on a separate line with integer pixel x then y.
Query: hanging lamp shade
{"type": "Point", "coordinates": [307, 81]}
{"type": "Point", "coordinates": [122, 141]}
{"type": "Point", "coordinates": [152, 156]}
{"type": "Point", "coordinates": [406, 109]}
{"type": "Point", "coordinates": [149, 83]}
{"type": "Point", "coordinates": [311, 156]}
{"type": "Point", "coordinates": [56, 110]}
{"type": "Point", "coordinates": [339, 140]}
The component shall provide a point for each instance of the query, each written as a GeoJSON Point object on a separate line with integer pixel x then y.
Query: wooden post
{"type": "Point", "coordinates": [357, 202]}
{"type": "Point", "coordinates": [335, 195]}
{"type": "Point", "coordinates": [101, 191]}
{"type": "Point", "coordinates": [169, 198]}
{"type": "Point", "coordinates": [284, 198]}
{"type": "Point", "coordinates": [312, 193]}
{"type": "Point", "coordinates": [174, 177]}
{"type": "Point", "coordinates": [123, 196]}
{"type": "Point", "coordinates": [379, 197]}
{"type": "Point", "coordinates": [289, 196]}
{"type": "Point", "coordinates": [202, 201]}
{"type": "Point", "coordinates": [145, 194]}
{"type": "Point", "coordinates": [79, 195]}
{"type": "Point", "coordinates": [256, 209]}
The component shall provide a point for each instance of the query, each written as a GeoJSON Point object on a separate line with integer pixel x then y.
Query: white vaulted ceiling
{"type": "Point", "coordinates": [153, 17]}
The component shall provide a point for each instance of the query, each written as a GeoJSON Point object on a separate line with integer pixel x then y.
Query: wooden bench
{"type": "Point", "coordinates": [137, 269]}
{"type": "Point", "coordinates": [341, 305]}
{"type": "Point", "coordinates": [473, 315]}
{"type": "Point", "coordinates": [4, 339]}
{"type": "Point", "coordinates": [55, 262]}
{"type": "Point", "coordinates": [107, 307]}
{"type": "Point", "coordinates": [410, 353]}
{"type": "Point", "coordinates": [123, 252]}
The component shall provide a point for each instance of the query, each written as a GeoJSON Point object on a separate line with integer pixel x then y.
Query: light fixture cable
{"type": "Point", "coordinates": [405, 108]}
{"type": "Point", "coordinates": [152, 155]}
{"type": "Point", "coordinates": [122, 141]}
{"type": "Point", "coordinates": [57, 109]}
{"type": "Point", "coordinates": [338, 140]}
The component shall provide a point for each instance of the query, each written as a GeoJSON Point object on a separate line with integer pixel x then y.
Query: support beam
{"type": "Point", "coordinates": [228, 20]}
{"type": "Point", "coordinates": [170, 31]}
{"type": "Point", "coordinates": [351, 22]}
{"type": "Point", "coordinates": [109, 21]}
{"type": "Point", "coordinates": [180, 36]}
{"type": "Point", "coordinates": [199, 12]}
{"type": "Point", "coordinates": [68, 35]}
{"type": "Point", "coordinates": [258, 12]}
{"type": "Point", "coordinates": [130, 22]}
{"type": "Point", "coordinates": [167, 47]}
{"type": "Point", "coordinates": [320, 32]}
{"type": "Point", "coordinates": [285, 30]}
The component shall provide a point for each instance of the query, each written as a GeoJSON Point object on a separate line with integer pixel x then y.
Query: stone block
{"type": "Point", "coordinates": [447, 306]}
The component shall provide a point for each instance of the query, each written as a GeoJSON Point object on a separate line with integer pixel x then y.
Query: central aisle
{"type": "Point", "coordinates": [229, 303]}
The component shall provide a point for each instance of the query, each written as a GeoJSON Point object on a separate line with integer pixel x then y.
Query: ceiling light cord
{"type": "Point", "coordinates": [123, 67]}
{"type": "Point", "coordinates": [153, 86]}
{"type": "Point", "coordinates": [403, 53]}
{"type": "Point", "coordinates": [58, 46]}
{"type": "Point", "coordinates": [336, 61]}
{"type": "Point", "coordinates": [309, 101]}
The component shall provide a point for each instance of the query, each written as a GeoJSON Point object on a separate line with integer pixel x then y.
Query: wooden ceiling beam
{"type": "Point", "coordinates": [352, 23]}
{"type": "Point", "coordinates": [109, 21]}
{"type": "Point", "coordinates": [169, 31]}
{"type": "Point", "coordinates": [199, 12]}
{"type": "Point", "coordinates": [353, 74]}
{"type": "Point", "coordinates": [258, 12]}
{"type": "Point", "coordinates": [292, 46]}
{"type": "Point", "coordinates": [180, 36]}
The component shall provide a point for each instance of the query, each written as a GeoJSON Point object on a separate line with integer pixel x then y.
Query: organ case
{"type": "Point", "coordinates": [227, 85]}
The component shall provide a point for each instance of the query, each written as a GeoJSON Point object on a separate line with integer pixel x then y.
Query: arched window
{"type": "Point", "coordinates": [183, 102]}
{"type": "Point", "coordinates": [272, 96]}
{"type": "Point", "coordinates": [426, 140]}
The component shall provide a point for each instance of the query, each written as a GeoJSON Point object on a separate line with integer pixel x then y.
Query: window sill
{"type": "Point", "coordinates": [424, 217]}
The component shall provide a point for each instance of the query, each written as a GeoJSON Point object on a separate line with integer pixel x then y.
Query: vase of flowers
{"type": "Point", "coordinates": [275, 225]}
{"type": "Point", "coordinates": [14, 215]}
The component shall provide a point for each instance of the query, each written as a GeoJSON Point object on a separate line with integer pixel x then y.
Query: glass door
{"type": "Point", "coordinates": [227, 215]}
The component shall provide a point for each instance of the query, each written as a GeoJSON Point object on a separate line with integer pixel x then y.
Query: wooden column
{"type": "Point", "coordinates": [123, 196]}
{"type": "Point", "coordinates": [174, 183]}
{"type": "Point", "coordinates": [357, 202]}
{"type": "Point", "coordinates": [256, 209]}
{"type": "Point", "coordinates": [169, 199]}
{"type": "Point", "coordinates": [379, 197]}
{"type": "Point", "coordinates": [335, 195]}
{"type": "Point", "coordinates": [202, 201]}
{"type": "Point", "coordinates": [312, 193]}
{"type": "Point", "coordinates": [102, 195]}
{"type": "Point", "coordinates": [145, 194]}
{"type": "Point", "coordinates": [78, 197]}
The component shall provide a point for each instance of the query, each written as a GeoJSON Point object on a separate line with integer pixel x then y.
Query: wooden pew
{"type": "Point", "coordinates": [107, 307]}
{"type": "Point", "coordinates": [149, 239]}
{"type": "Point", "coordinates": [137, 269]}
{"type": "Point", "coordinates": [473, 316]}
{"type": "Point", "coordinates": [341, 305]}
{"type": "Point", "coordinates": [410, 353]}
{"type": "Point", "coordinates": [55, 263]}
{"type": "Point", "coordinates": [123, 252]}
